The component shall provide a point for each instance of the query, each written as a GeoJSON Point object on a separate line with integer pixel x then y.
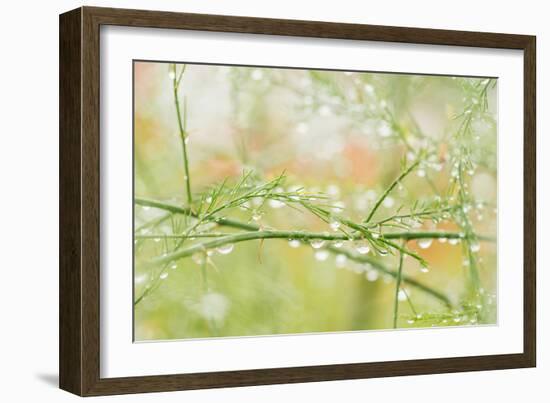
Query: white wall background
{"type": "Point", "coordinates": [29, 202]}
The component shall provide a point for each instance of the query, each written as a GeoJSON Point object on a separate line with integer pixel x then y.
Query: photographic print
{"type": "Point", "coordinates": [272, 201]}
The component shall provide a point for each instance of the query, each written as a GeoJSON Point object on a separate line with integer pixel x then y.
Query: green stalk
{"type": "Point", "coordinates": [397, 287]}
{"type": "Point", "coordinates": [389, 189]}
{"type": "Point", "coordinates": [182, 126]}
{"type": "Point", "coordinates": [306, 235]}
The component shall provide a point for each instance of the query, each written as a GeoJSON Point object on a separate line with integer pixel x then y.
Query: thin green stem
{"type": "Point", "coordinates": [389, 189]}
{"type": "Point", "coordinates": [397, 287]}
{"type": "Point", "coordinates": [187, 211]}
{"type": "Point", "coordinates": [305, 235]}
{"type": "Point", "coordinates": [182, 126]}
{"type": "Point", "coordinates": [200, 248]}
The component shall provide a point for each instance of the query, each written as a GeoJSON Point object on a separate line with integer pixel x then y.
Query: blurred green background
{"type": "Point", "coordinates": [344, 134]}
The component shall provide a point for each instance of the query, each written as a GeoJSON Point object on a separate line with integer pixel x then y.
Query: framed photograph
{"type": "Point", "coordinates": [249, 201]}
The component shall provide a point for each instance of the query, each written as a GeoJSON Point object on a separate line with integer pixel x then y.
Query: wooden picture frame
{"type": "Point", "coordinates": [80, 199]}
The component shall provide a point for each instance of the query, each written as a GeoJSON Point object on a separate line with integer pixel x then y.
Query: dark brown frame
{"type": "Point", "coordinates": [79, 200]}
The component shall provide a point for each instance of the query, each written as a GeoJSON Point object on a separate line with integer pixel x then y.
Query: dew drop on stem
{"type": "Point", "coordinates": [424, 243]}
{"type": "Point", "coordinates": [362, 247]}
{"type": "Point", "coordinates": [225, 249]}
{"type": "Point", "coordinates": [454, 241]}
{"type": "Point", "coordinates": [334, 225]}
{"type": "Point", "coordinates": [401, 296]}
{"type": "Point", "coordinates": [383, 252]}
{"type": "Point", "coordinates": [256, 216]}
{"type": "Point", "coordinates": [317, 243]}
{"type": "Point", "coordinates": [294, 243]}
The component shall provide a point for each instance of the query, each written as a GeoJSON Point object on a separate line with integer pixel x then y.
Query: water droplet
{"type": "Point", "coordinates": [174, 266]}
{"type": "Point", "coordinates": [338, 207]}
{"type": "Point", "coordinates": [421, 173]}
{"type": "Point", "coordinates": [225, 249]}
{"type": "Point", "coordinates": [334, 225]}
{"type": "Point", "coordinates": [475, 247]}
{"type": "Point", "coordinates": [442, 239]}
{"type": "Point", "coordinates": [163, 276]}
{"type": "Point", "coordinates": [454, 241]}
{"type": "Point", "coordinates": [456, 319]}
{"type": "Point", "coordinates": [317, 243]}
{"type": "Point", "coordinates": [257, 215]}
{"type": "Point", "coordinates": [424, 269]}
{"type": "Point", "coordinates": [401, 296]}
{"type": "Point", "coordinates": [424, 243]}
{"type": "Point", "coordinates": [410, 321]}
{"type": "Point", "coordinates": [274, 203]}
{"type": "Point", "coordinates": [383, 252]}
{"type": "Point", "coordinates": [321, 255]}
{"type": "Point", "coordinates": [208, 199]}
{"type": "Point", "coordinates": [362, 247]}
{"type": "Point", "coordinates": [156, 239]}
{"type": "Point", "coordinates": [294, 243]}
{"type": "Point", "coordinates": [338, 243]}
{"type": "Point", "coordinates": [341, 261]}
{"type": "Point", "coordinates": [146, 208]}
{"type": "Point", "coordinates": [372, 275]}
{"type": "Point", "coordinates": [245, 205]}
{"type": "Point", "coordinates": [171, 74]}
